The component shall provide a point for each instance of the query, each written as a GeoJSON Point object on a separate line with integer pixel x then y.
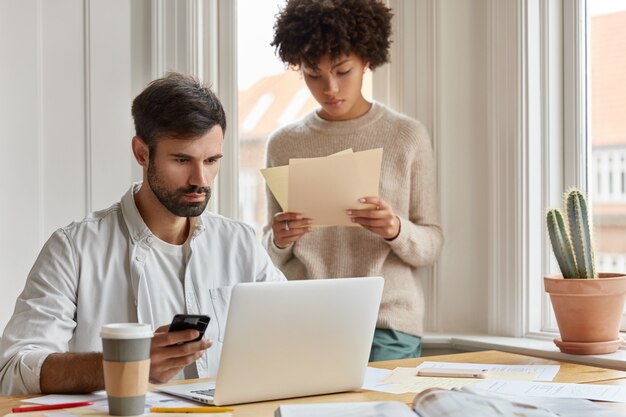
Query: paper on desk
{"type": "Point", "coordinates": [355, 409]}
{"type": "Point", "coordinates": [565, 407]}
{"type": "Point", "coordinates": [324, 188]}
{"type": "Point", "coordinates": [420, 383]}
{"type": "Point", "coordinates": [405, 380]}
{"type": "Point", "coordinates": [153, 399]}
{"type": "Point", "coordinates": [378, 380]}
{"type": "Point", "coordinates": [60, 399]}
{"type": "Point", "coordinates": [400, 374]}
{"type": "Point", "coordinates": [542, 372]}
{"type": "Point", "coordinates": [374, 380]}
{"type": "Point", "coordinates": [277, 179]}
{"type": "Point", "coordinates": [90, 412]}
{"type": "Point", "coordinates": [100, 406]}
{"type": "Point", "coordinates": [613, 393]}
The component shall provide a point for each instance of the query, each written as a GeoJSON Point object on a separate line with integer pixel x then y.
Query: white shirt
{"type": "Point", "coordinates": [92, 272]}
{"type": "Point", "coordinates": [165, 274]}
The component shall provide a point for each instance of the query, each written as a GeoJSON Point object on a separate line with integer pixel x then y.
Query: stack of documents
{"type": "Point", "coordinates": [403, 380]}
{"type": "Point", "coordinates": [324, 188]}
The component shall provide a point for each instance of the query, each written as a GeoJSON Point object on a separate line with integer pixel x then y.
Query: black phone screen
{"type": "Point", "coordinates": [190, 321]}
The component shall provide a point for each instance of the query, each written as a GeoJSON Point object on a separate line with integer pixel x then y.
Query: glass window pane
{"type": "Point", "coordinates": [607, 96]}
{"type": "Point", "coordinates": [270, 96]}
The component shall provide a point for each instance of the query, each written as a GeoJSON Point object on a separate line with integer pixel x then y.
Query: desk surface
{"type": "Point", "coordinates": [568, 373]}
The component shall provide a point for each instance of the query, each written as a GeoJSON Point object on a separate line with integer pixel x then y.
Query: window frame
{"type": "Point", "coordinates": [538, 130]}
{"type": "Point", "coordinates": [534, 45]}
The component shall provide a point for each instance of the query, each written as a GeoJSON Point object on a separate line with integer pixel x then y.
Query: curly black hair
{"type": "Point", "coordinates": [305, 30]}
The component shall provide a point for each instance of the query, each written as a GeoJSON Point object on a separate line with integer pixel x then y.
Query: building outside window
{"type": "Point", "coordinates": [607, 112]}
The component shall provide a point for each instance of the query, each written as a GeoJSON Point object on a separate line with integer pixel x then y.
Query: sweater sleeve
{"type": "Point", "coordinates": [420, 240]}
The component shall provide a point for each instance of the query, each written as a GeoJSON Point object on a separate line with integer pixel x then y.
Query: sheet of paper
{"type": "Point", "coordinates": [88, 412]}
{"type": "Point", "coordinates": [324, 188]}
{"type": "Point", "coordinates": [73, 412]}
{"type": "Point", "coordinates": [153, 399]}
{"type": "Point", "coordinates": [357, 409]}
{"type": "Point", "coordinates": [420, 383]}
{"type": "Point", "coordinates": [277, 179]}
{"type": "Point", "coordinates": [512, 375]}
{"type": "Point", "coordinates": [542, 372]}
{"type": "Point", "coordinates": [374, 378]}
{"type": "Point", "coordinates": [613, 393]}
{"type": "Point", "coordinates": [60, 399]}
{"type": "Point", "coordinates": [570, 407]}
{"type": "Point", "coordinates": [400, 374]}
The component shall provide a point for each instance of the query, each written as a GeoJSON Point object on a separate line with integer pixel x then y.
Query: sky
{"type": "Point", "coordinates": [256, 29]}
{"type": "Point", "coordinates": [597, 7]}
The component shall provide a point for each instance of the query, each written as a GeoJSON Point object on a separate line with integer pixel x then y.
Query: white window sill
{"type": "Point", "coordinates": [526, 346]}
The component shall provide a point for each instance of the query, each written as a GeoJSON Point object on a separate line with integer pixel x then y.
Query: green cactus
{"type": "Point", "coordinates": [572, 248]}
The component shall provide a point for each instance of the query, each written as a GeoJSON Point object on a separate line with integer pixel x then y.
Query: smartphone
{"type": "Point", "coordinates": [453, 373]}
{"type": "Point", "coordinates": [190, 321]}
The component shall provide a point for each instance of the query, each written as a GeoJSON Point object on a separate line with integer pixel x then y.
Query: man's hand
{"type": "Point", "coordinates": [169, 353]}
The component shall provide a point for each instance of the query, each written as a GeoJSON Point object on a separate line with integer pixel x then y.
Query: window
{"type": "Point", "coordinates": [270, 96]}
{"type": "Point", "coordinates": [607, 102]}
{"type": "Point", "coordinates": [606, 24]}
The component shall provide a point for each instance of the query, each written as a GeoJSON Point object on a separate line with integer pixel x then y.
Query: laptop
{"type": "Point", "coordinates": [292, 339]}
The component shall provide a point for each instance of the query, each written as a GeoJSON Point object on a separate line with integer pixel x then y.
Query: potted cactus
{"type": "Point", "coordinates": [588, 305]}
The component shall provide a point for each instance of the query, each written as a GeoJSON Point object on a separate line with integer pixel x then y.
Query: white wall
{"type": "Point", "coordinates": [461, 128]}
{"type": "Point", "coordinates": [66, 83]}
{"type": "Point", "coordinates": [70, 68]}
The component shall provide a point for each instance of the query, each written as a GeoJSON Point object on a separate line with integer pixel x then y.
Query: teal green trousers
{"type": "Point", "coordinates": [390, 344]}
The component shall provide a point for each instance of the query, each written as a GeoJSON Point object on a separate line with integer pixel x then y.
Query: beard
{"type": "Point", "coordinates": [173, 200]}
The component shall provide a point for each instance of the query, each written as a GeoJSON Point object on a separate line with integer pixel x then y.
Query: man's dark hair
{"type": "Point", "coordinates": [305, 30]}
{"type": "Point", "coordinates": [178, 106]}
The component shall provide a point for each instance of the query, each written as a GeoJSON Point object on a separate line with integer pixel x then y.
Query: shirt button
{"type": "Point", "coordinates": [149, 240]}
{"type": "Point", "coordinates": [139, 258]}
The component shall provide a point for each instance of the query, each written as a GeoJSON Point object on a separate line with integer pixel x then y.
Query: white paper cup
{"type": "Point", "coordinates": [126, 361]}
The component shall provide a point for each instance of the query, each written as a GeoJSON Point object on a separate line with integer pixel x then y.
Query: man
{"type": "Point", "coordinates": [152, 255]}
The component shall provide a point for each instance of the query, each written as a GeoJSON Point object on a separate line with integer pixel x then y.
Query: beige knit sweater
{"type": "Point", "coordinates": [407, 182]}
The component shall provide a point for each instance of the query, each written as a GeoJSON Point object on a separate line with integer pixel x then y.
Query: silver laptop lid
{"type": "Point", "coordinates": [297, 338]}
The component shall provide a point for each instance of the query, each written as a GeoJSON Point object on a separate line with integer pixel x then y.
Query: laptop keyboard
{"type": "Point", "coordinates": [209, 392]}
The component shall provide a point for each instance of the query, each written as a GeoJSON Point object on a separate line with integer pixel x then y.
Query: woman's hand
{"type": "Point", "coordinates": [379, 219]}
{"type": "Point", "coordinates": [289, 227]}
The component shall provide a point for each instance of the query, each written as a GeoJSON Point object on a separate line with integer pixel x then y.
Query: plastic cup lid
{"type": "Point", "coordinates": [126, 331]}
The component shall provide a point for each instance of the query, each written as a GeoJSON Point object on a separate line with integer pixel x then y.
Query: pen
{"type": "Point", "coordinates": [44, 407]}
{"type": "Point", "coordinates": [191, 410]}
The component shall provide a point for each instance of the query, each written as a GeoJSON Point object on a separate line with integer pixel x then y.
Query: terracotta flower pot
{"type": "Point", "coordinates": [588, 312]}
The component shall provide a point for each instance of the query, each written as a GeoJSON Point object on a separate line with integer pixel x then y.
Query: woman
{"type": "Point", "coordinates": [333, 43]}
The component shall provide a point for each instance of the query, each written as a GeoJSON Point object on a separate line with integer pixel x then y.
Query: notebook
{"type": "Point", "coordinates": [292, 339]}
